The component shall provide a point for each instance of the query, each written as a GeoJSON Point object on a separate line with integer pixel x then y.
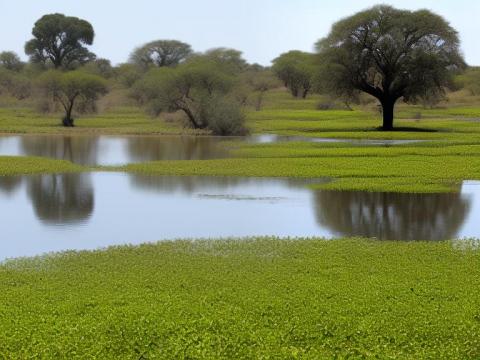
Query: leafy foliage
{"type": "Point", "coordinates": [471, 81]}
{"type": "Point", "coordinates": [390, 54]}
{"type": "Point", "coordinates": [60, 40]}
{"type": "Point", "coordinates": [161, 53]}
{"type": "Point", "coordinates": [295, 69]}
{"type": "Point", "coordinates": [15, 84]}
{"type": "Point", "coordinates": [198, 88]}
{"type": "Point", "coordinates": [10, 61]}
{"type": "Point", "coordinates": [99, 67]}
{"type": "Point", "coordinates": [74, 91]}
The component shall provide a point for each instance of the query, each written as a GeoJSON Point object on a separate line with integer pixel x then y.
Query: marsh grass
{"type": "Point", "coordinates": [121, 121]}
{"type": "Point", "coordinates": [250, 298]}
{"type": "Point", "coordinates": [23, 165]}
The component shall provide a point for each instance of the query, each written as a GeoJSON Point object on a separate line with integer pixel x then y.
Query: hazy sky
{"type": "Point", "coordinates": [262, 29]}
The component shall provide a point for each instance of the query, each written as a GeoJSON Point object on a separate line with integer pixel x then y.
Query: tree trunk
{"type": "Point", "coordinates": [68, 120]}
{"type": "Point", "coordinates": [388, 107]}
{"type": "Point", "coordinates": [294, 91]}
{"type": "Point", "coordinates": [258, 105]}
{"type": "Point", "coordinates": [192, 119]}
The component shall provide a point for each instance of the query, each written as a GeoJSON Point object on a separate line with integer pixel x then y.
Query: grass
{"type": "Point", "coordinates": [20, 165]}
{"type": "Point", "coordinates": [121, 121]}
{"type": "Point", "coordinates": [251, 298]}
{"type": "Point", "coordinates": [416, 173]}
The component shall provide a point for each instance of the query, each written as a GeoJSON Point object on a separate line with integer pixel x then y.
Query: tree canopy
{"type": "Point", "coordinates": [74, 91]}
{"type": "Point", "coordinates": [389, 54]}
{"type": "Point", "coordinates": [10, 61]}
{"type": "Point", "coordinates": [61, 41]}
{"type": "Point", "coordinates": [161, 53]}
{"type": "Point", "coordinates": [295, 68]}
{"type": "Point", "coordinates": [201, 88]}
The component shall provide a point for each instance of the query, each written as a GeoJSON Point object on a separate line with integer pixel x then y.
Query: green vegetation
{"type": "Point", "coordinates": [450, 155]}
{"type": "Point", "coordinates": [121, 121]}
{"type": "Point", "coordinates": [160, 53]}
{"type": "Point", "coordinates": [296, 69]}
{"type": "Point", "coordinates": [259, 297]}
{"type": "Point", "coordinates": [253, 298]}
{"type": "Point", "coordinates": [16, 165]}
{"type": "Point", "coordinates": [390, 54]}
{"type": "Point", "coordinates": [60, 40]}
{"type": "Point", "coordinates": [74, 91]}
{"type": "Point", "coordinates": [201, 88]}
{"type": "Point", "coordinates": [416, 173]}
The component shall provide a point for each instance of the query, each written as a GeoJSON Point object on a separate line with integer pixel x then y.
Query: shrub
{"type": "Point", "coordinates": [224, 116]}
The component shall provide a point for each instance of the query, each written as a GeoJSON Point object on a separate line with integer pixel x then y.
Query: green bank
{"type": "Point", "coordinates": [250, 298]}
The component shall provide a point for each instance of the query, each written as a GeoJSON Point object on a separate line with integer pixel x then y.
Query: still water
{"type": "Point", "coordinates": [118, 150]}
{"type": "Point", "coordinates": [112, 150]}
{"type": "Point", "coordinates": [91, 210]}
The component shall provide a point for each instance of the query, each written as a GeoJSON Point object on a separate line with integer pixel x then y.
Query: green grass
{"type": "Point", "coordinates": [20, 165]}
{"type": "Point", "coordinates": [121, 121]}
{"type": "Point", "coordinates": [257, 298]}
{"type": "Point", "coordinates": [416, 173]}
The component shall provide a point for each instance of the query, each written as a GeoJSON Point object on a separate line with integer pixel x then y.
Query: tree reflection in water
{"type": "Point", "coordinates": [176, 148]}
{"type": "Point", "coordinates": [392, 216]}
{"type": "Point", "coordinates": [191, 184]}
{"type": "Point", "coordinates": [61, 198]}
{"type": "Point", "coordinates": [8, 184]}
{"type": "Point", "coordinates": [77, 149]}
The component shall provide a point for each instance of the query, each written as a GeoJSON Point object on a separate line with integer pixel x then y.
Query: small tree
{"type": "Point", "coordinates": [74, 91]}
{"type": "Point", "coordinates": [100, 67]}
{"type": "Point", "coordinates": [127, 74]}
{"type": "Point", "coordinates": [161, 53]}
{"type": "Point", "coordinates": [389, 54]}
{"type": "Point", "coordinates": [60, 40]}
{"type": "Point", "coordinates": [10, 61]}
{"type": "Point", "coordinates": [296, 70]}
{"type": "Point", "coordinates": [260, 81]}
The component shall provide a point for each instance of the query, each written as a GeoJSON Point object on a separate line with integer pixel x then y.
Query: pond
{"type": "Point", "coordinates": [118, 150]}
{"type": "Point", "coordinates": [47, 213]}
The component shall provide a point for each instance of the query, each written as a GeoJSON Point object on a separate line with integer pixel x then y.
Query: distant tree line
{"type": "Point", "coordinates": [385, 53]}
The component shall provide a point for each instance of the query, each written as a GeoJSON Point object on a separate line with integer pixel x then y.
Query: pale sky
{"type": "Point", "coordinates": [262, 29]}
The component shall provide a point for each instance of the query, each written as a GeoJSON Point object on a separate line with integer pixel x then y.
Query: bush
{"type": "Point", "coordinates": [15, 84]}
{"type": "Point", "coordinates": [224, 116]}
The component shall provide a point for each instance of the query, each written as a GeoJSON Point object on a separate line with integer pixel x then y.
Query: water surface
{"type": "Point", "coordinates": [118, 150]}
{"type": "Point", "coordinates": [92, 210]}
{"type": "Point", "coordinates": [113, 150]}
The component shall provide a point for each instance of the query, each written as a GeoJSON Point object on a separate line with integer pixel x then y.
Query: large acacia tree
{"type": "Point", "coordinates": [61, 41]}
{"type": "Point", "coordinates": [389, 54]}
{"type": "Point", "coordinates": [161, 53]}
